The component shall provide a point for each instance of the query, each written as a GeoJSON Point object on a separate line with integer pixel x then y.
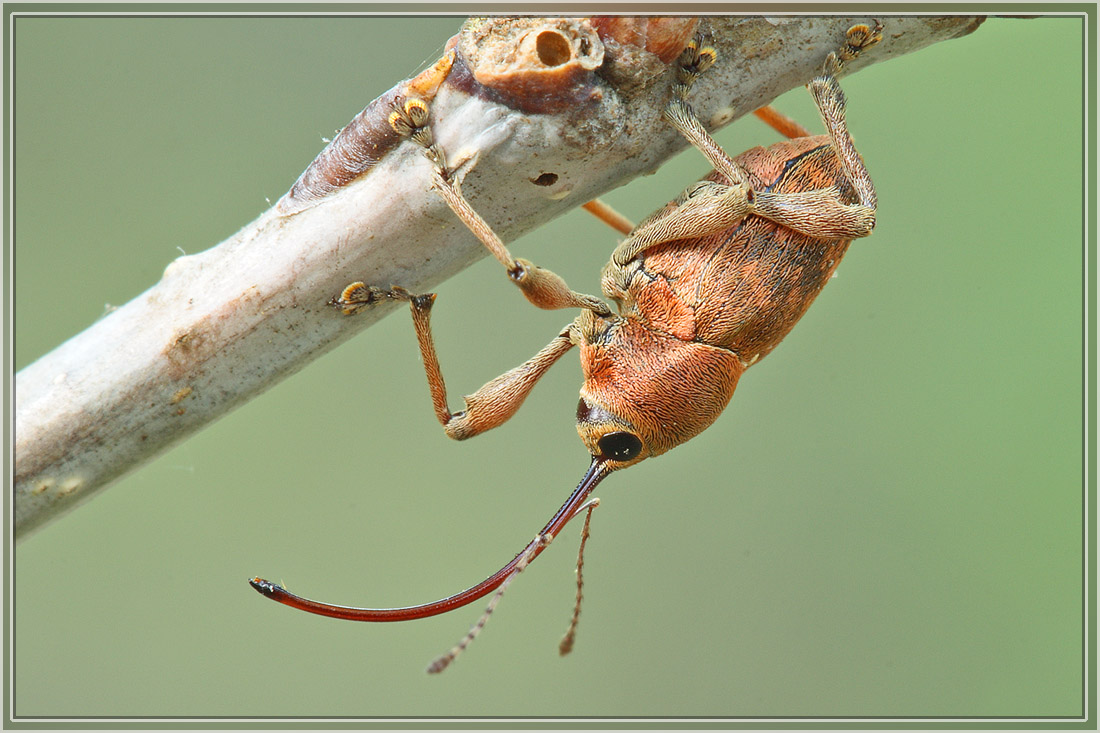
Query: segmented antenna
{"type": "Point", "coordinates": [442, 662]}
{"type": "Point", "coordinates": [566, 644]}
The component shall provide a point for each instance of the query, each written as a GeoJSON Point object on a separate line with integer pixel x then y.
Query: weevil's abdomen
{"type": "Point", "coordinates": [744, 289]}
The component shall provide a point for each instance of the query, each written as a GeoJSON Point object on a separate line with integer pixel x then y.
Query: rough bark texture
{"type": "Point", "coordinates": [544, 115]}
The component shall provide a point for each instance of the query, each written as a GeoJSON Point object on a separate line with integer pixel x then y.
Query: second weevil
{"type": "Point", "coordinates": [703, 288]}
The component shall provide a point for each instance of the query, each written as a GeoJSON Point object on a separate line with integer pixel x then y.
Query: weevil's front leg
{"type": "Point", "coordinates": [541, 287]}
{"type": "Point", "coordinates": [491, 405]}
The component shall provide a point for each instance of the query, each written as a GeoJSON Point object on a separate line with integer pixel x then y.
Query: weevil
{"type": "Point", "coordinates": [703, 289]}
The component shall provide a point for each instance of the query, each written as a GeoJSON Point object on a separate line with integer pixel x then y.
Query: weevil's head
{"type": "Point", "coordinates": [645, 393]}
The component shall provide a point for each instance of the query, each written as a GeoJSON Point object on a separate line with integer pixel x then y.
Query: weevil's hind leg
{"type": "Point", "coordinates": [831, 103]}
{"type": "Point", "coordinates": [818, 213]}
{"type": "Point", "coordinates": [491, 405]}
{"type": "Point", "coordinates": [609, 216]}
{"type": "Point", "coordinates": [858, 39]}
{"type": "Point", "coordinates": [821, 213]}
{"type": "Point", "coordinates": [540, 286]}
{"type": "Point", "coordinates": [780, 122]}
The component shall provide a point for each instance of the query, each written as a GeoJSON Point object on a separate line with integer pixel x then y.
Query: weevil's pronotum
{"type": "Point", "coordinates": [703, 289]}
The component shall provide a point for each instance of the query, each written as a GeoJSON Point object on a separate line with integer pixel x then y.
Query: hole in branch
{"type": "Point", "coordinates": [552, 48]}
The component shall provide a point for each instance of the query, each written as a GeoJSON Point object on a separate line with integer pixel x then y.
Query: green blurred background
{"type": "Point", "coordinates": [887, 520]}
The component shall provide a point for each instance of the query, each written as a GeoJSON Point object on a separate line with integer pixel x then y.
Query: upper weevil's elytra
{"type": "Point", "coordinates": [702, 290]}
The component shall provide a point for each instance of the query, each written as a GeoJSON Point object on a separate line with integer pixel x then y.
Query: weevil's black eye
{"type": "Point", "coordinates": [620, 446]}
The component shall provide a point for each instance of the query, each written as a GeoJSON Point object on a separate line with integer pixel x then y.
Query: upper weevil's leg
{"type": "Point", "coordinates": [694, 60]}
{"type": "Point", "coordinates": [707, 207]}
{"type": "Point", "coordinates": [831, 102]}
{"type": "Point", "coordinates": [858, 38]}
{"type": "Point", "coordinates": [609, 216]}
{"type": "Point", "coordinates": [542, 287]}
{"type": "Point", "coordinates": [820, 212]}
{"type": "Point", "coordinates": [703, 209]}
{"type": "Point", "coordinates": [780, 122]}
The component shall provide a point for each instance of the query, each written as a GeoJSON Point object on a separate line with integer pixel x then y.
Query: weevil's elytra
{"type": "Point", "coordinates": [703, 288]}
{"type": "Point", "coordinates": [745, 288]}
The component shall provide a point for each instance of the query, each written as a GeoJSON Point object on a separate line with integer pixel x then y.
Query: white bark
{"type": "Point", "coordinates": [223, 325]}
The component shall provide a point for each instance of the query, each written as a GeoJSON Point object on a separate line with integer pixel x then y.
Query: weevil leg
{"type": "Point", "coordinates": [818, 213]}
{"type": "Point", "coordinates": [821, 213]}
{"type": "Point", "coordinates": [858, 38]}
{"type": "Point", "coordinates": [780, 122]}
{"type": "Point", "coordinates": [540, 286]}
{"type": "Point", "coordinates": [609, 216]}
{"type": "Point", "coordinates": [703, 209]}
{"type": "Point", "coordinates": [694, 60]}
{"type": "Point", "coordinates": [491, 405]}
{"type": "Point", "coordinates": [831, 104]}
{"type": "Point", "coordinates": [707, 207]}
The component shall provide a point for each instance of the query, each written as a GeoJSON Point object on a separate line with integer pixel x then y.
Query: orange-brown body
{"type": "Point", "coordinates": [695, 313]}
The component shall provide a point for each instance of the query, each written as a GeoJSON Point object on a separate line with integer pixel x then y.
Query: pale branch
{"type": "Point", "coordinates": [541, 116]}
